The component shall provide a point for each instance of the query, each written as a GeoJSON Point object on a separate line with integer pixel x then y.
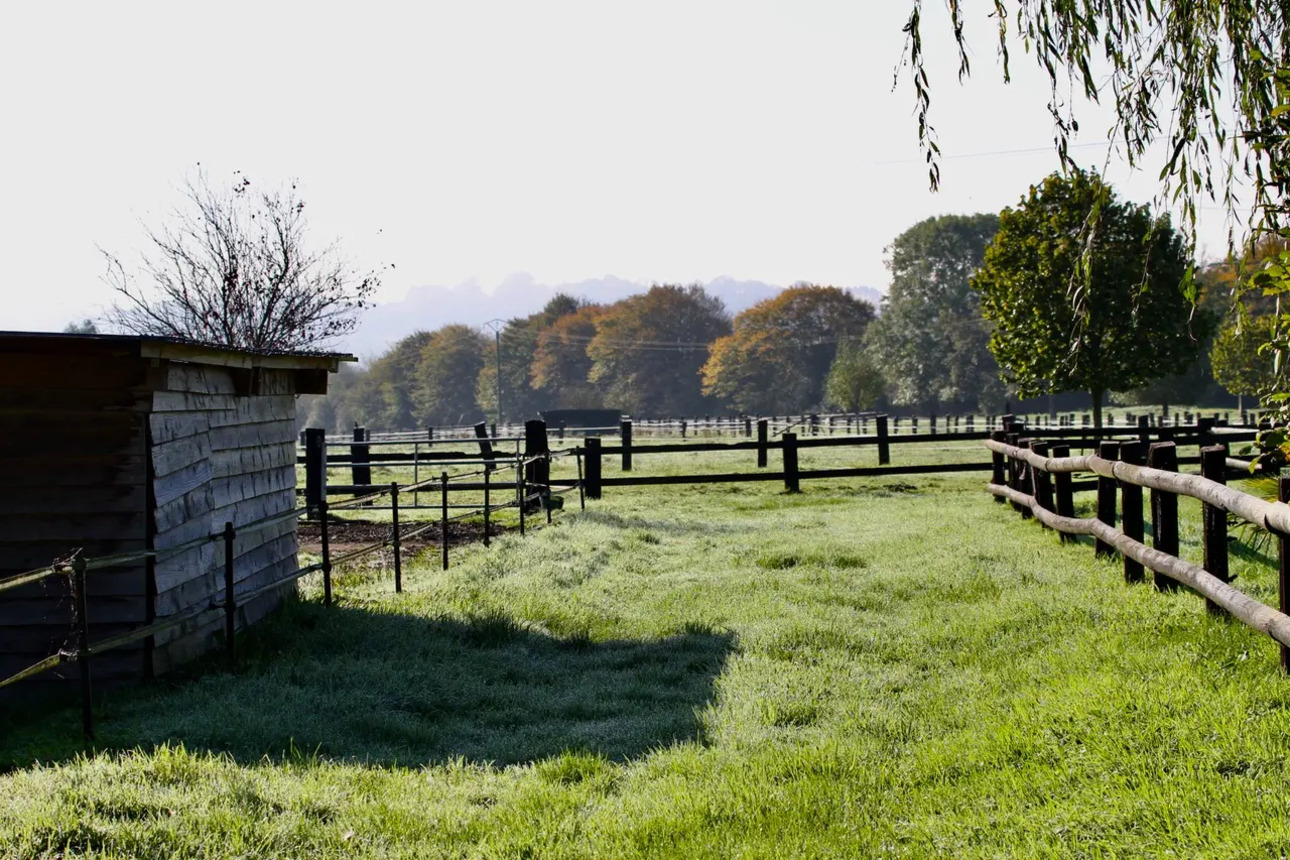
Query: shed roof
{"type": "Point", "coordinates": [174, 349]}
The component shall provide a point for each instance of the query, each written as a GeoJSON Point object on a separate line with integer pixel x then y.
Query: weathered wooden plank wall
{"type": "Point", "coordinates": [72, 476]}
{"type": "Point", "coordinates": [220, 454]}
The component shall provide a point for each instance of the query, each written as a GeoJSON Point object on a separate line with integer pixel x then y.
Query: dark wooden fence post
{"type": "Point", "coordinates": [997, 464]}
{"type": "Point", "coordinates": [1213, 465]}
{"type": "Point", "coordinates": [1022, 481]}
{"type": "Point", "coordinates": [81, 603]}
{"type": "Point", "coordinates": [684, 425]}
{"type": "Point", "coordinates": [1164, 509]}
{"type": "Point", "coordinates": [1144, 431]}
{"type": "Point", "coordinates": [1283, 564]}
{"type": "Point", "coordinates": [315, 470]}
{"type": "Point", "coordinates": [593, 467]}
{"type": "Point", "coordinates": [1064, 501]}
{"type": "Point", "coordinates": [360, 457]}
{"type": "Point", "coordinates": [230, 601]}
{"type": "Point", "coordinates": [1205, 429]}
{"type": "Point", "coordinates": [1131, 510]}
{"type": "Point", "coordinates": [791, 482]}
{"type": "Point", "coordinates": [763, 438]}
{"type": "Point", "coordinates": [394, 537]}
{"type": "Point", "coordinates": [1106, 496]}
{"type": "Point", "coordinates": [884, 447]}
{"type": "Point", "coordinates": [582, 483]}
{"type": "Point", "coordinates": [1041, 480]}
{"type": "Point", "coordinates": [485, 446]}
{"type": "Point", "coordinates": [536, 449]}
{"type": "Point", "coordinates": [625, 431]}
{"type": "Point", "coordinates": [747, 427]}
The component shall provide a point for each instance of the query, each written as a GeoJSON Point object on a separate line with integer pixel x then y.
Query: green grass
{"type": "Point", "coordinates": [871, 668]}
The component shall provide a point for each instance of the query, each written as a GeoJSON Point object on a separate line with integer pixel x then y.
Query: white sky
{"type": "Point", "coordinates": [672, 140]}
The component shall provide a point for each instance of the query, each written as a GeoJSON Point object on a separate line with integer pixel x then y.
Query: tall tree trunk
{"type": "Point", "coordinates": [1097, 406]}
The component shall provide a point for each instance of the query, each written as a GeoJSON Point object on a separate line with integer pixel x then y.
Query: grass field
{"type": "Point", "coordinates": [871, 668]}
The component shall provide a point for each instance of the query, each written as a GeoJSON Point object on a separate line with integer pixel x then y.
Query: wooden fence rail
{"type": "Point", "coordinates": [1022, 472]}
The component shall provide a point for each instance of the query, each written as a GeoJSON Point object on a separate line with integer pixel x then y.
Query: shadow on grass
{"type": "Point", "coordinates": [385, 689]}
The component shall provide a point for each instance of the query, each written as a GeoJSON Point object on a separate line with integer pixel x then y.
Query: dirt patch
{"type": "Point", "coordinates": [344, 535]}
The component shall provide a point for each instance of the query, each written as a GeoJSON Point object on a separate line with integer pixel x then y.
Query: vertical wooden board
{"type": "Point", "coordinates": [198, 378]}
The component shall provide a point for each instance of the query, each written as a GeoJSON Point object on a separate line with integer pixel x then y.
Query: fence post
{"type": "Point", "coordinates": [593, 467]}
{"type": "Point", "coordinates": [1205, 429]}
{"type": "Point", "coordinates": [521, 493]}
{"type": "Point", "coordinates": [884, 447]}
{"type": "Point", "coordinates": [394, 537]}
{"type": "Point", "coordinates": [1144, 431]}
{"type": "Point", "coordinates": [360, 457]}
{"type": "Point", "coordinates": [1283, 564]}
{"type": "Point", "coordinates": [1041, 481]}
{"type": "Point", "coordinates": [582, 489]}
{"type": "Point", "coordinates": [315, 469]}
{"type": "Point", "coordinates": [545, 500]}
{"type": "Point", "coordinates": [429, 434]}
{"type": "Point", "coordinates": [1164, 509]}
{"type": "Point", "coordinates": [1106, 496]}
{"type": "Point", "coordinates": [1022, 480]}
{"type": "Point", "coordinates": [1064, 500]}
{"type": "Point", "coordinates": [487, 502]}
{"type": "Point", "coordinates": [997, 462]}
{"type": "Point", "coordinates": [791, 483]}
{"type": "Point", "coordinates": [625, 431]}
{"type": "Point", "coordinates": [443, 518]}
{"type": "Point", "coordinates": [763, 437]}
{"type": "Point", "coordinates": [81, 602]}
{"type": "Point", "coordinates": [230, 602]}
{"type": "Point", "coordinates": [1131, 510]}
{"type": "Point", "coordinates": [538, 469]}
{"type": "Point", "coordinates": [485, 446]}
{"type": "Point", "coordinates": [1213, 465]}
{"type": "Point", "coordinates": [326, 552]}
{"type": "Point", "coordinates": [747, 427]}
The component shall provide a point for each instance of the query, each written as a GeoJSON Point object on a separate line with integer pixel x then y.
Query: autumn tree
{"type": "Point", "coordinates": [561, 367]}
{"type": "Point", "coordinates": [514, 347]}
{"type": "Point", "coordinates": [780, 350]}
{"type": "Point", "coordinates": [446, 376]}
{"type": "Point", "coordinates": [235, 267]}
{"type": "Point", "coordinates": [648, 349]}
{"type": "Point", "coordinates": [930, 338]}
{"type": "Point", "coordinates": [1111, 317]}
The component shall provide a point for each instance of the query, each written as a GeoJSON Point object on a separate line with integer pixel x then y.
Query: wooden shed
{"type": "Point", "coordinates": [113, 444]}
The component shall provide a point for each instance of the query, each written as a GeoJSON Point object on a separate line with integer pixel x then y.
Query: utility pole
{"type": "Point", "coordinates": [496, 326]}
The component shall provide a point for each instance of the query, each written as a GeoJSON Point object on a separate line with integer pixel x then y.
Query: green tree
{"type": "Point", "coordinates": [854, 381]}
{"type": "Point", "coordinates": [648, 349]}
{"type": "Point", "coordinates": [1239, 362]}
{"type": "Point", "coordinates": [930, 339]}
{"type": "Point", "coordinates": [780, 350]}
{"type": "Point", "coordinates": [1065, 318]}
{"type": "Point", "coordinates": [446, 375]}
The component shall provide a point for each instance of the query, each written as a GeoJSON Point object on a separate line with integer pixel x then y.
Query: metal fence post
{"type": "Point", "coordinates": [394, 537]}
{"type": "Point", "coordinates": [230, 601]}
{"type": "Point", "coordinates": [443, 518]}
{"type": "Point", "coordinates": [326, 552]}
{"type": "Point", "coordinates": [81, 603]}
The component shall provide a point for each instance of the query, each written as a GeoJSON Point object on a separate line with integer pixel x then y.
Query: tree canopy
{"type": "Point", "coordinates": [779, 353]}
{"type": "Point", "coordinates": [1083, 293]}
{"type": "Point", "coordinates": [930, 340]}
{"type": "Point", "coordinates": [648, 349]}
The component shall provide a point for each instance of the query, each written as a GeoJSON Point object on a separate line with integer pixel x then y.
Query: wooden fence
{"type": "Point", "coordinates": [533, 494]}
{"type": "Point", "coordinates": [1037, 479]}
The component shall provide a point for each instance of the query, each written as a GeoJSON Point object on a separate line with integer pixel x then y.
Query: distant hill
{"type": "Point", "coordinates": [429, 307]}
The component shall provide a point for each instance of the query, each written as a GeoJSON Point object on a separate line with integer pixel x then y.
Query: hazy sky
{"type": "Point", "coordinates": [658, 141]}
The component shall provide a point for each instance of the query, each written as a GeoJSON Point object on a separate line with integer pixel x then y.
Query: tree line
{"type": "Point", "coordinates": [981, 309]}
